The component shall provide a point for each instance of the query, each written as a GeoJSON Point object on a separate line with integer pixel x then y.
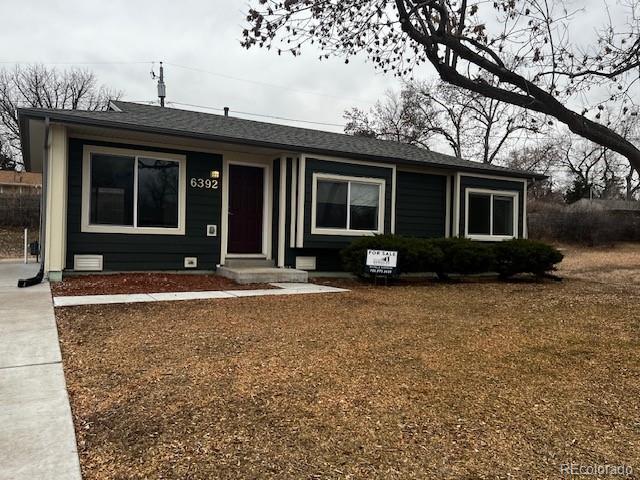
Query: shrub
{"type": "Point", "coordinates": [581, 225]}
{"type": "Point", "coordinates": [414, 254]}
{"type": "Point", "coordinates": [525, 256]}
{"type": "Point", "coordinates": [464, 256]}
{"type": "Point", "coordinates": [461, 256]}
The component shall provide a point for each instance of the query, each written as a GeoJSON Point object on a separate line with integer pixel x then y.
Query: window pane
{"type": "Point", "coordinates": [502, 215]}
{"type": "Point", "coordinates": [479, 214]}
{"type": "Point", "coordinates": [364, 206]}
{"type": "Point", "coordinates": [111, 200]}
{"type": "Point", "coordinates": [331, 204]}
{"type": "Point", "coordinates": [157, 193]}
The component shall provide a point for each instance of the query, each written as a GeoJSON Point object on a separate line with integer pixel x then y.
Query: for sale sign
{"type": "Point", "coordinates": [382, 262]}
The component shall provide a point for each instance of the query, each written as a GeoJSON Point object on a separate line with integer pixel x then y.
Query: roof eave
{"type": "Point", "coordinates": [27, 113]}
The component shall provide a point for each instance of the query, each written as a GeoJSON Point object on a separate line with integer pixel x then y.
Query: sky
{"type": "Point", "coordinates": [199, 41]}
{"type": "Point", "coordinates": [203, 35]}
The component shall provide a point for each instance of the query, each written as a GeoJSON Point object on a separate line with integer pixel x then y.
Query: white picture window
{"type": "Point", "coordinates": [347, 205]}
{"type": "Point", "coordinates": [133, 192]}
{"type": "Point", "coordinates": [491, 215]}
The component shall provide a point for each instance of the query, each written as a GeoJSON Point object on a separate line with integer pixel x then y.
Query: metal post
{"type": "Point", "coordinates": [26, 245]}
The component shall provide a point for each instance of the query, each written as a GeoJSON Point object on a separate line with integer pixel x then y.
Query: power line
{"type": "Point", "coordinates": [205, 71]}
{"type": "Point", "coordinates": [74, 63]}
{"type": "Point", "coordinates": [261, 115]}
{"type": "Point", "coordinates": [271, 85]}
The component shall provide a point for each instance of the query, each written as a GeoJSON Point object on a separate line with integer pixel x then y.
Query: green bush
{"type": "Point", "coordinates": [464, 256]}
{"type": "Point", "coordinates": [525, 256]}
{"type": "Point", "coordinates": [414, 254]}
{"type": "Point", "coordinates": [460, 256]}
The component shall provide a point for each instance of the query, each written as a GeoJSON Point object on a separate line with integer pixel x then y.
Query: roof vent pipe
{"type": "Point", "coordinates": [226, 111]}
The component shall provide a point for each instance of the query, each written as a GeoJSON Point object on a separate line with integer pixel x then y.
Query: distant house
{"type": "Point", "coordinates": [623, 207]}
{"type": "Point", "coordinates": [142, 187]}
{"type": "Point", "coordinates": [22, 183]}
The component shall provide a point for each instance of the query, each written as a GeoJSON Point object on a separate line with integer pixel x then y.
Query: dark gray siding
{"type": "Point", "coordinates": [289, 253]}
{"type": "Point", "coordinates": [421, 204]}
{"type": "Point", "coordinates": [490, 184]}
{"type": "Point", "coordinates": [126, 252]}
{"type": "Point", "coordinates": [326, 247]}
{"type": "Point", "coordinates": [338, 168]}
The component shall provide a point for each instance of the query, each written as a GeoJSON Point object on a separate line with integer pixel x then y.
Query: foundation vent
{"type": "Point", "coordinates": [305, 263]}
{"type": "Point", "coordinates": [87, 263]}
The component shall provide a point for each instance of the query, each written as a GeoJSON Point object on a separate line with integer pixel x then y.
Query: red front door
{"type": "Point", "coordinates": [246, 196]}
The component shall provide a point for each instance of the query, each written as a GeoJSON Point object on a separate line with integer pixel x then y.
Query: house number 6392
{"type": "Point", "coordinates": [204, 183]}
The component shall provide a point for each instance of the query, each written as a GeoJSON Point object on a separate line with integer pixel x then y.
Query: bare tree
{"type": "Point", "coordinates": [38, 86]}
{"type": "Point", "coordinates": [7, 160]}
{"type": "Point", "coordinates": [423, 114]}
{"type": "Point", "coordinates": [402, 117]}
{"type": "Point", "coordinates": [513, 51]}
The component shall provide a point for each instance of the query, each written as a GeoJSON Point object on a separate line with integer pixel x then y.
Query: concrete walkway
{"type": "Point", "coordinates": [281, 289]}
{"type": "Point", "coordinates": [37, 439]}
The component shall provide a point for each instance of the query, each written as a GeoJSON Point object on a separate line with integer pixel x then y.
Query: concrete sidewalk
{"type": "Point", "coordinates": [37, 439]}
{"type": "Point", "coordinates": [281, 289]}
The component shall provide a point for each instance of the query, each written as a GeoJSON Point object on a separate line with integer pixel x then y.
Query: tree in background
{"type": "Point", "coordinates": [514, 51]}
{"type": "Point", "coordinates": [425, 114]}
{"type": "Point", "coordinates": [7, 160]}
{"type": "Point", "coordinates": [542, 158]}
{"type": "Point", "coordinates": [38, 86]}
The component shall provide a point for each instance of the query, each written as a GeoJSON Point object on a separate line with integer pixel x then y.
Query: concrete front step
{"type": "Point", "coordinates": [249, 263]}
{"type": "Point", "coordinates": [244, 275]}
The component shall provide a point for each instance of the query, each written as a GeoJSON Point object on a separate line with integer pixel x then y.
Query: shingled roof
{"type": "Point", "coordinates": [187, 123]}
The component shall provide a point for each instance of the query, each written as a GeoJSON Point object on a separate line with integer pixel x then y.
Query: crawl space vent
{"type": "Point", "coordinates": [87, 263]}
{"type": "Point", "coordinates": [305, 263]}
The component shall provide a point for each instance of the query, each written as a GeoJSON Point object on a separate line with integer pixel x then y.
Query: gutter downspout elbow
{"type": "Point", "coordinates": [28, 282]}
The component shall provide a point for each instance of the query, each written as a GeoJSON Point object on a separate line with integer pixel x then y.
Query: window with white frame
{"type": "Point", "coordinates": [347, 205]}
{"type": "Point", "coordinates": [131, 193]}
{"type": "Point", "coordinates": [491, 215]}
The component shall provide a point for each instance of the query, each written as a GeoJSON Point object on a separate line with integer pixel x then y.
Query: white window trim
{"type": "Point", "coordinates": [267, 202]}
{"type": "Point", "coordinates": [491, 193]}
{"type": "Point", "coordinates": [88, 227]}
{"type": "Point", "coordinates": [380, 182]}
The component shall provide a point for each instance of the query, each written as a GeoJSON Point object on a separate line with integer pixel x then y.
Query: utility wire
{"type": "Point", "coordinates": [73, 63]}
{"type": "Point", "coordinates": [271, 85]}
{"type": "Point", "coordinates": [208, 72]}
{"type": "Point", "coordinates": [261, 115]}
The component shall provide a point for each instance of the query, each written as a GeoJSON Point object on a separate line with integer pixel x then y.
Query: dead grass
{"type": "Point", "coordinates": [476, 380]}
{"type": "Point", "coordinates": [619, 264]}
{"type": "Point", "coordinates": [109, 284]}
{"type": "Point", "coordinates": [12, 241]}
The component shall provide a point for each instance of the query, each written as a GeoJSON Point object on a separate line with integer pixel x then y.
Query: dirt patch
{"type": "Point", "coordinates": [12, 241]}
{"type": "Point", "coordinates": [479, 380]}
{"type": "Point", "coordinates": [145, 283]}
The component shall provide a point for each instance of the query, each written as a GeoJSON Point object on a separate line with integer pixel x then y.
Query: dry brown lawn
{"type": "Point", "coordinates": [472, 380]}
{"type": "Point", "coordinates": [12, 241]}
